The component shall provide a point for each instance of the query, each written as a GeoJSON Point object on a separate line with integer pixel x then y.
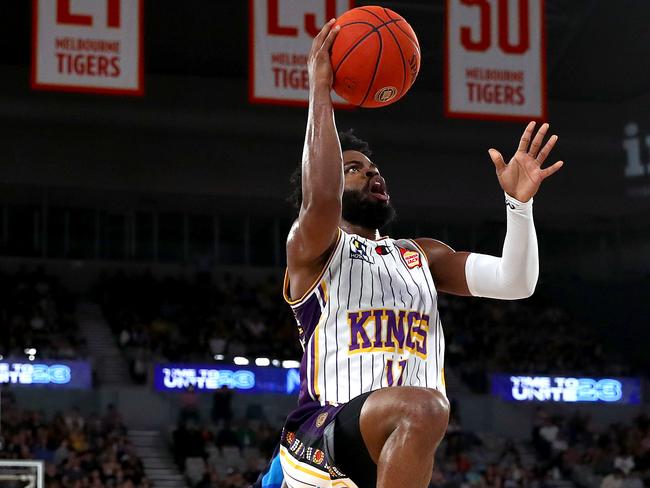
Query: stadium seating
{"type": "Point", "coordinates": [36, 312]}
{"type": "Point", "coordinates": [78, 450]}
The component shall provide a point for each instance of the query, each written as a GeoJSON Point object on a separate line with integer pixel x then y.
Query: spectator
{"type": "Point", "coordinates": [227, 437]}
{"type": "Point", "coordinates": [75, 451]}
{"type": "Point", "coordinates": [613, 480]}
{"type": "Point", "coordinates": [222, 405]}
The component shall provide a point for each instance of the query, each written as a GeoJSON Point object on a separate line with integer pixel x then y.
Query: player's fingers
{"type": "Point", "coordinates": [525, 138]}
{"type": "Point", "coordinates": [537, 141]}
{"type": "Point", "coordinates": [497, 159]}
{"type": "Point", "coordinates": [543, 154]}
{"type": "Point", "coordinates": [322, 35]}
{"type": "Point", "coordinates": [552, 169]}
{"type": "Point", "coordinates": [329, 40]}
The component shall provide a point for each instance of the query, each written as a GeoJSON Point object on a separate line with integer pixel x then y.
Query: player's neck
{"type": "Point", "coordinates": [359, 230]}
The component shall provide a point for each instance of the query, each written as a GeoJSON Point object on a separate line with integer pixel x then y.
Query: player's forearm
{"type": "Point", "coordinates": [322, 161]}
{"type": "Point", "coordinates": [514, 275]}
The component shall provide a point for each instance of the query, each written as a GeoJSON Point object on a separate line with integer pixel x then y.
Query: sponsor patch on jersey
{"type": "Point", "coordinates": [319, 457]}
{"type": "Point", "coordinates": [335, 472]}
{"type": "Point", "coordinates": [411, 258]}
{"type": "Point", "coordinates": [290, 437]}
{"type": "Point", "coordinates": [359, 250]}
{"type": "Point", "coordinates": [383, 250]}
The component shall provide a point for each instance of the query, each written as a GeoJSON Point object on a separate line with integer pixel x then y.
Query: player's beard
{"type": "Point", "coordinates": [358, 209]}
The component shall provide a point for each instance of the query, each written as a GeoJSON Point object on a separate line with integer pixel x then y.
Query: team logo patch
{"type": "Point", "coordinates": [359, 250]}
{"type": "Point", "coordinates": [411, 258]}
{"type": "Point", "coordinates": [383, 250]}
{"type": "Point", "coordinates": [320, 420]}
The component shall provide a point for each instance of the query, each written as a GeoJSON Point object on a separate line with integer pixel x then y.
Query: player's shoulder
{"type": "Point", "coordinates": [432, 248]}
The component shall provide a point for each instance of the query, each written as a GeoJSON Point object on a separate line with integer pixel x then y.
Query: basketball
{"type": "Point", "coordinates": [375, 57]}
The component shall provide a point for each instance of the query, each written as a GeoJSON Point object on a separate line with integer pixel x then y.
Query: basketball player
{"type": "Point", "coordinates": [372, 405]}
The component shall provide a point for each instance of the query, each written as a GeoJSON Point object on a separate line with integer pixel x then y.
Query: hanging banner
{"type": "Point", "coordinates": [88, 46]}
{"type": "Point", "coordinates": [495, 59]}
{"type": "Point", "coordinates": [280, 37]}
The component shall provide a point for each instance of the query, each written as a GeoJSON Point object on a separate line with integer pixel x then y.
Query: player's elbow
{"type": "Point", "coordinates": [525, 288]}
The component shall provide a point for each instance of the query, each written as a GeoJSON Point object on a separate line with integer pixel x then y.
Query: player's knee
{"type": "Point", "coordinates": [427, 414]}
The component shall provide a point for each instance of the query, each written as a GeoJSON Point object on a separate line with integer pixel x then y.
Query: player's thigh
{"type": "Point", "coordinates": [424, 410]}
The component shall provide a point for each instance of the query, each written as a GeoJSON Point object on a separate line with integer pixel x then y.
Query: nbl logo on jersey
{"type": "Point", "coordinates": [359, 250]}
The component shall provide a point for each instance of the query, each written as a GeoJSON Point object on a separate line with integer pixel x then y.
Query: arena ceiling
{"type": "Point", "coordinates": [597, 49]}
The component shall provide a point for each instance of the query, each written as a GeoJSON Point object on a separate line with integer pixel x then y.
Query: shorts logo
{"type": "Point", "coordinates": [386, 94]}
{"type": "Point", "coordinates": [359, 250]}
{"type": "Point", "coordinates": [320, 420]}
{"type": "Point", "coordinates": [411, 258]}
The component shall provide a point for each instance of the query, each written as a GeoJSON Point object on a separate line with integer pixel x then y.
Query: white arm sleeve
{"type": "Point", "coordinates": [514, 275]}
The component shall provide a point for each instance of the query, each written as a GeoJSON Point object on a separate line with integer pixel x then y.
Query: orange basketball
{"type": "Point", "coordinates": [375, 57]}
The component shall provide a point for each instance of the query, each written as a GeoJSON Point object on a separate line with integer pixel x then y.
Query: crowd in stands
{"type": "Point", "coordinates": [224, 451]}
{"type": "Point", "coordinates": [534, 336]}
{"type": "Point", "coordinates": [466, 460]}
{"type": "Point", "coordinates": [615, 457]}
{"type": "Point", "coordinates": [79, 451]}
{"type": "Point", "coordinates": [195, 320]}
{"type": "Point", "coordinates": [37, 312]}
{"type": "Point", "coordinates": [176, 319]}
{"type": "Point", "coordinates": [562, 450]}
{"type": "Point", "coordinates": [227, 452]}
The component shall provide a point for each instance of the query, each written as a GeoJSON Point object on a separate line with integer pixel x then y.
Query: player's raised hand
{"type": "Point", "coordinates": [319, 63]}
{"type": "Point", "coordinates": [523, 175]}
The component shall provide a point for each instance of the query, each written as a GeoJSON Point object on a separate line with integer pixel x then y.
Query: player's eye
{"type": "Point", "coordinates": [351, 169]}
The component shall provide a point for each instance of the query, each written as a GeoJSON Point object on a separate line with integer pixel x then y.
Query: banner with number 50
{"type": "Point", "coordinates": [495, 59]}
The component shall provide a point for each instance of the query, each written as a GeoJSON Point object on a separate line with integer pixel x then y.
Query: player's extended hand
{"type": "Point", "coordinates": [319, 63]}
{"type": "Point", "coordinates": [523, 175]}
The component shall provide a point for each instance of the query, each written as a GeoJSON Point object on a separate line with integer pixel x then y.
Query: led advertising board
{"type": "Point", "coordinates": [253, 379]}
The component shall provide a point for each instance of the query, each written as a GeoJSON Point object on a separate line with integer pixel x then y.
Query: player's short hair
{"type": "Point", "coordinates": [349, 142]}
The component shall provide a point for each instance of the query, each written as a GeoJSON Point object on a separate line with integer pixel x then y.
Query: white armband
{"type": "Point", "coordinates": [514, 275]}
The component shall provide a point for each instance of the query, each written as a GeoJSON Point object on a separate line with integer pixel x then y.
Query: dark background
{"type": "Point", "coordinates": [192, 171]}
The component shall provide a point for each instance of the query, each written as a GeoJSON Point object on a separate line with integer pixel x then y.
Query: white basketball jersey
{"type": "Point", "coordinates": [369, 321]}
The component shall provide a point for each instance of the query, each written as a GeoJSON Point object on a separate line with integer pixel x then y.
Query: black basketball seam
{"type": "Point", "coordinates": [372, 13]}
{"type": "Point", "coordinates": [414, 41]}
{"type": "Point", "coordinates": [399, 48]}
{"type": "Point", "coordinates": [357, 22]}
{"type": "Point", "coordinates": [365, 36]}
{"type": "Point", "coordinates": [375, 29]}
{"type": "Point", "coordinates": [374, 74]}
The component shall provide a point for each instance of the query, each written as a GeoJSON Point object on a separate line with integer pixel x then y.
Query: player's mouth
{"type": "Point", "coordinates": [377, 188]}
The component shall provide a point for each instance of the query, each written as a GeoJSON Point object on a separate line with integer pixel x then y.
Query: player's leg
{"type": "Point", "coordinates": [401, 428]}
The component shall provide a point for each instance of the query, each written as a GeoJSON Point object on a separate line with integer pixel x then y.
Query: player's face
{"type": "Point", "coordinates": [362, 175]}
{"type": "Point", "coordinates": [365, 198]}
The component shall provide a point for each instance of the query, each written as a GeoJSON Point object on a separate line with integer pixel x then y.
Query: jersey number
{"type": "Point", "coordinates": [389, 372]}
